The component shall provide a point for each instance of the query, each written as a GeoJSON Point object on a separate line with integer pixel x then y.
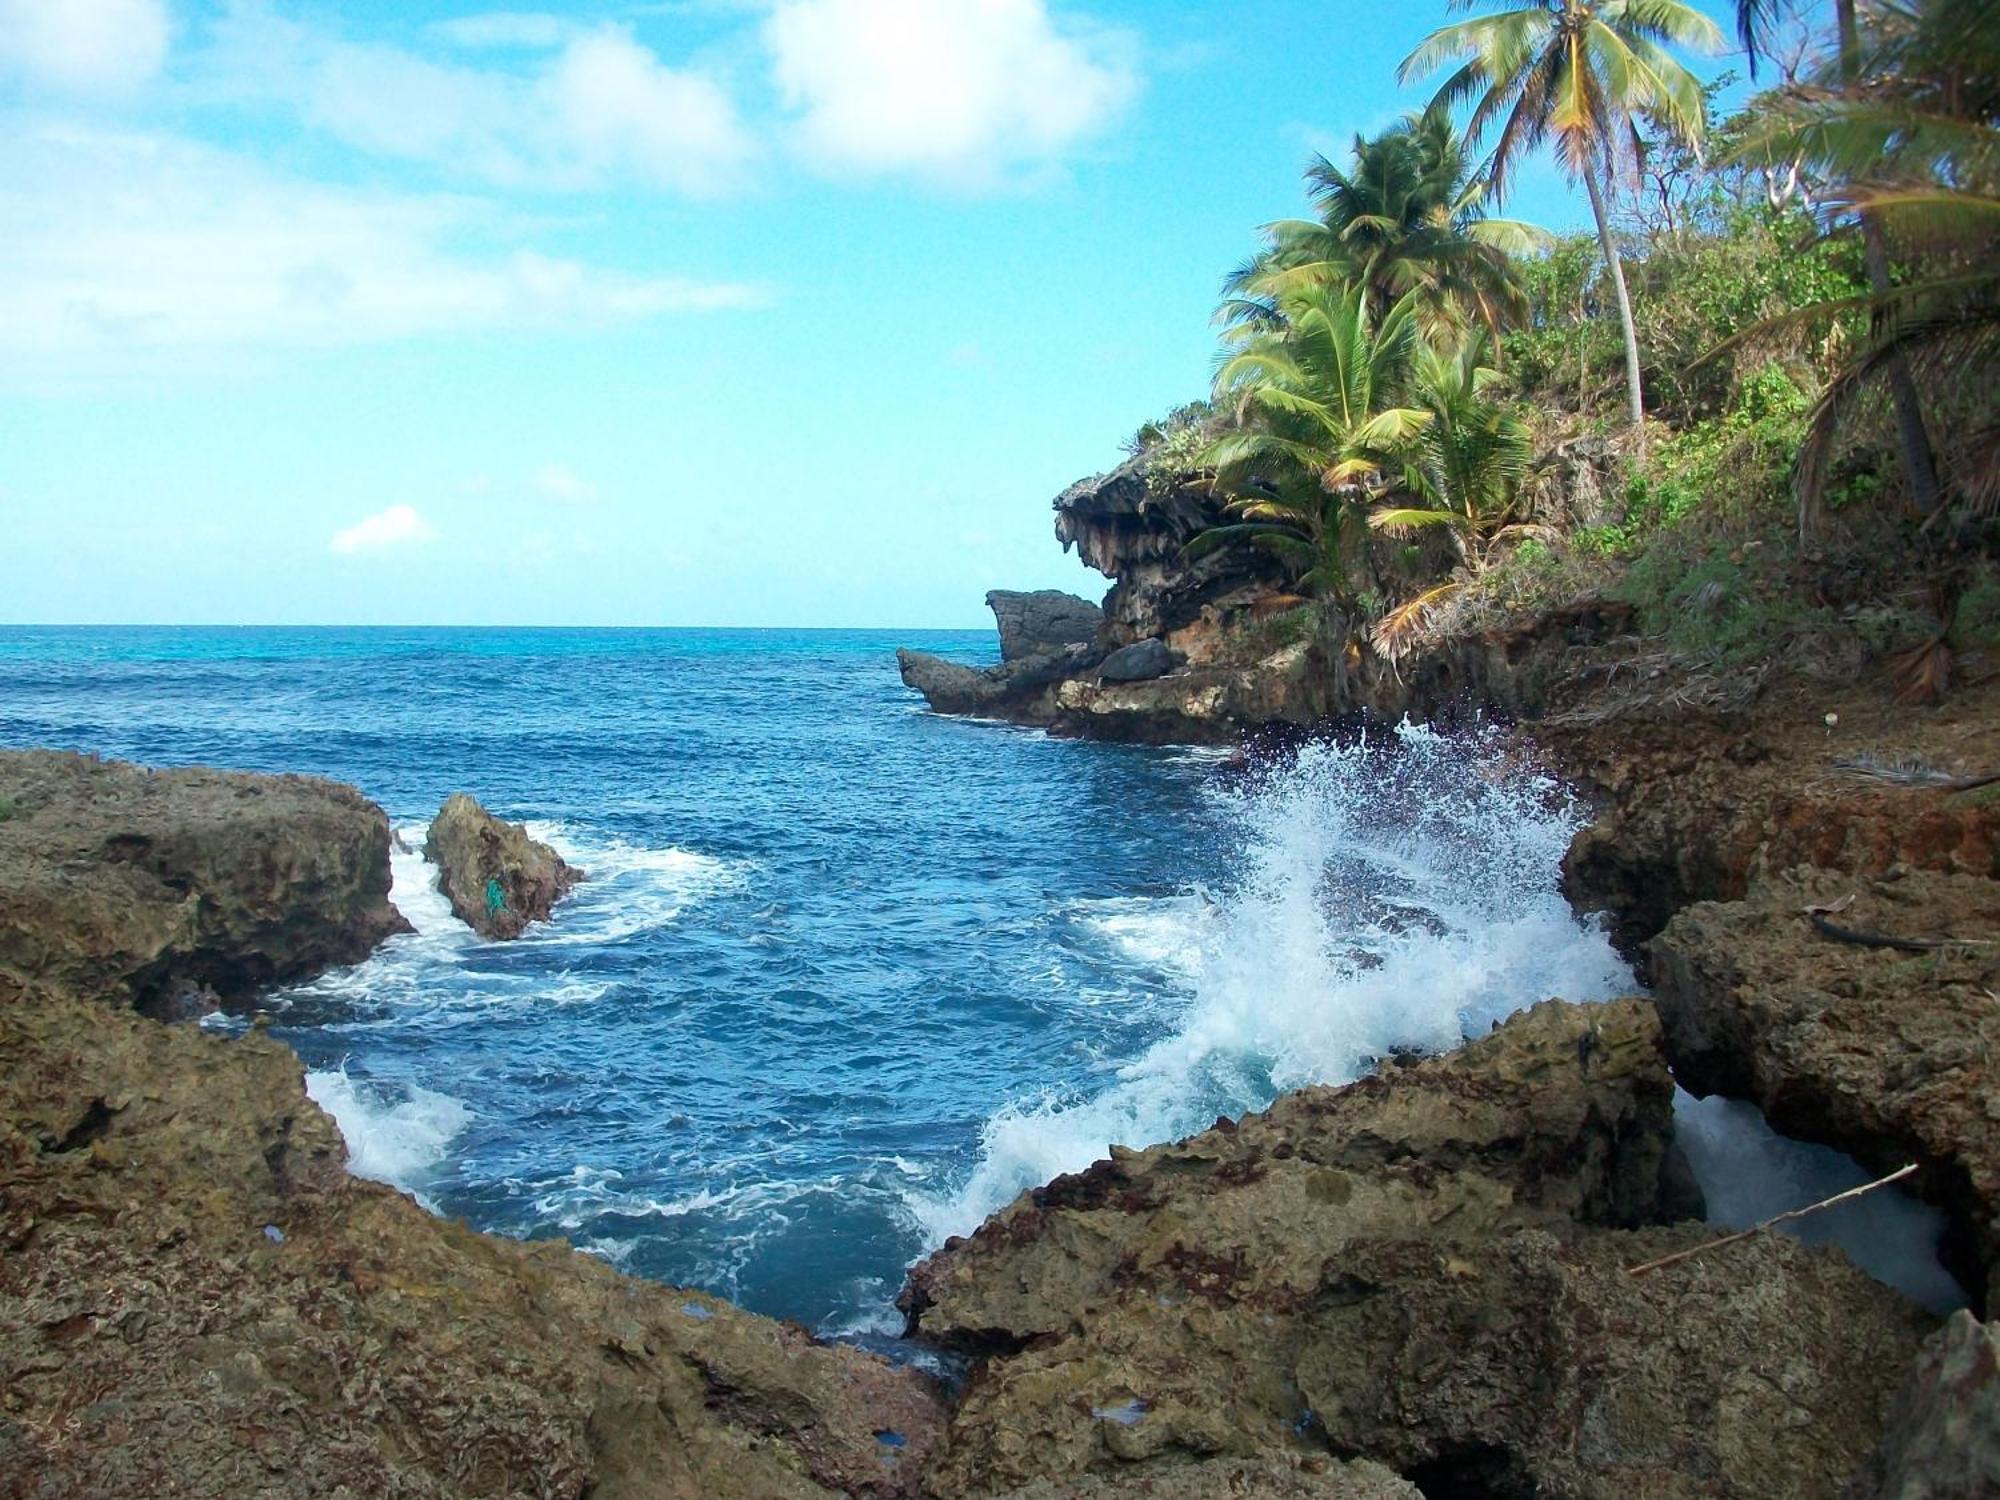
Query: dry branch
{"type": "Point", "coordinates": [1796, 1213]}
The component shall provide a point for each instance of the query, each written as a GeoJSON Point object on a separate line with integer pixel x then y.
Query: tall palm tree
{"type": "Point", "coordinates": [1316, 399]}
{"type": "Point", "coordinates": [1573, 73]}
{"type": "Point", "coordinates": [1405, 215]}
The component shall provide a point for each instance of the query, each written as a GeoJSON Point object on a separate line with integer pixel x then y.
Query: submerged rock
{"type": "Point", "coordinates": [497, 879]}
{"type": "Point", "coordinates": [1426, 1268]}
{"type": "Point", "coordinates": [1884, 1054]}
{"type": "Point", "coordinates": [1041, 622]}
{"type": "Point", "coordinates": [176, 890]}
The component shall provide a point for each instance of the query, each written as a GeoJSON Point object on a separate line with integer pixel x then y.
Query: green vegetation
{"type": "Point", "coordinates": [8, 808]}
{"type": "Point", "coordinates": [1758, 406]}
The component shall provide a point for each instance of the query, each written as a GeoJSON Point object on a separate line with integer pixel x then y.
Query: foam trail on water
{"type": "Point", "coordinates": [1399, 892]}
{"type": "Point", "coordinates": [392, 1140]}
{"type": "Point", "coordinates": [413, 889]}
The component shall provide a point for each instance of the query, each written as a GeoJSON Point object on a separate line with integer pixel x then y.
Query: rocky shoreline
{"type": "Point", "coordinates": [1416, 1285]}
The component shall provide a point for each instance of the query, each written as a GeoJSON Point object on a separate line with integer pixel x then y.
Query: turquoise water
{"type": "Point", "coordinates": [847, 976]}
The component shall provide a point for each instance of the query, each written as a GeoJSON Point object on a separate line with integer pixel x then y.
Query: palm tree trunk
{"type": "Point", "coordinates": [1635, 395]}
{"type": "Point", "coordinates": [1912, 437]}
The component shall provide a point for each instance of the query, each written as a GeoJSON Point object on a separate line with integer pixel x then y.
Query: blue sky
{"type": "Point", "coordinates": [724, 312]}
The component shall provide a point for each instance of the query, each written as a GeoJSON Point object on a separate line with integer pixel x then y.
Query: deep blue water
{"type": "Point", "coordinates": [847, 976]}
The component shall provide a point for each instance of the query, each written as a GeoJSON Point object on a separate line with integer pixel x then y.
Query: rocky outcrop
{"type": "Point", "coordinates": [177, 890]}
{"type": "Point", "coordinates": [1426, 1268]}
{"type": "Point", "coordinates": [1694, 804]}
{"type": "Point", "coordinates": [1943, 1439]}
{"type": "Point", "coordinates": [1042, 622]}
{"type": "Point", "coordinates": [1881, 1052]}
{"type": "Point", "coordinates": [497, 879]}
{"type": "Point", "coordinates": [196, 1299]}
{"type": "Point", "coordinates": [1021, 691]}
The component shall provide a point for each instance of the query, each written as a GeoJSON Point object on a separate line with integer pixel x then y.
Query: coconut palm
{"type": "Point", "coordinates": [1405, 215]}
{"type": "Point", "coordinates": [1319, 426]}
{"type": "Point", "coordinates": [1907, 126]}
{"type": "Point", "coordinates": [1573, 73]}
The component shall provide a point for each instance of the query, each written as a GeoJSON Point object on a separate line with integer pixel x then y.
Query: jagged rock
{"type": "Point", "coordinates": [1276, 1477]}
{"type": "Point", "coordinates": [171, 890]}
{"type": "Point", "coordinates": [1426, 1268]}
{"type": "Point", "coordinates": [1041, 622]}
{"type": "Point", "coordinates": [198, 1300]}
{"type": "Point", "coordinates": [1021, 690]}
{"type": "Point", "coordinates": [497, 879]}
{"type": "Point", "coordinates": [1141, 661]}
{"type": "Point", "coordinates": [1695, 805]}
{"type": "Point", "coordinates": [1883, 1054]}
{"type": "Point", "coordinates": [1943, 1438]}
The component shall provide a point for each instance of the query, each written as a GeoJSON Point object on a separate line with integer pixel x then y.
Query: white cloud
{"type": "Point", "coordinates": [124, 249]}
{"type": "Point", "coordinates": [506, 29]}
{"type": "Point", "coordinates": [560, 485]}
{"type": "Point", "coordinates": [397, 526]}
{"type": "Point", "coordinates": [599, 108]}
{"type": "Point", "coordinates": [967, 92]}
{"type": "Point", "coordinates": [85, 45]}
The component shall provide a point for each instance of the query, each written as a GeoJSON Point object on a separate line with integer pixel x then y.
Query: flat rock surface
{"type": "Point", "coordinates": [173, 889]}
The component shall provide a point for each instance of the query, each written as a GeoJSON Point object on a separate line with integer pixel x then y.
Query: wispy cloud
{"type": "Point", "coordinates": [399, 525]}
{"type": "Point", "coordinates": [122, 247]}
{"type": "Point", "coordinates": [83, 45]}
{"type": "Point", "coordinates": [594, 108]}
{"type": "Point", "coordinates": [970, 93]}
{"type": "Point", "coordinates": [560, 485]}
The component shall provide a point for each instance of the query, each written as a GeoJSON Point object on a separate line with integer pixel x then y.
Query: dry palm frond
{"type": "Point", "coordinates": [1397, 632]}
{"type": "Point", "coordinates": [1922, 674]}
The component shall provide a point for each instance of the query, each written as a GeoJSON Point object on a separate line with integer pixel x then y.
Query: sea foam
{"type": "Point", "coordinates": [1395, 892]}
{"type": "Point", "coordinates": [398, 1135]}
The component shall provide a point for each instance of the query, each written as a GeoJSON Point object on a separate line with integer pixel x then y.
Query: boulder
{"type": "Point", "coordinates": [1139, 662]}
{"type": "Point", "coordinates": [1884, 1054]}
{"type": "Point", "coordinates": [175, 890]}
{"type": "Point", "coordinates": [1426, 1268]}
{"type": "Point", "coordinates": [1041, 622]}
{"type": "Point", "coordinates": [1943, 1440]}
{"type": "Point", "coordinates": [497, 879]}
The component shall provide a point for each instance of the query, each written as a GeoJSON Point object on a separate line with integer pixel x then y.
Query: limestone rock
{"type": "Point", "coordinates": [1886, 1055]}
{"type": "Point", "coordinates": [1943, 1440]}
{"type": "Point", "coordinates": [497, 879]}
{"type": "Point", "coordinates": [171, 890]}
{"type": "Point", "coordinates": [1141, 661]}
{"type": "Point", "coordinates": [1020, 690]}
{"type": "Point", "coordinates": [199, 1301]}
{"type": "Point", "coordinates": [1425, 1268]}
{"type": "Point", "coordinates": [1035, 624]}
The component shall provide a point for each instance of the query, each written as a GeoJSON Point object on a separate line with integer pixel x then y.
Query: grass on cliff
{"type": "Point", "coordinates": [8, 808]}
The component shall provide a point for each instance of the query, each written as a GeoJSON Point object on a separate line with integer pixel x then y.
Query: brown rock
{"type": "Point", "coordinates": [497, 879]}
{"type": "Point", "coordinates": [172, 889]}
{"type": "Point", "coordinates": [1943, 1441]}
{"type": "Point", "coordinates": [1272, 1477]}
{"type": "Point", "coordinates": [197, 1300]}
{"type": "Point", "coordinates": [1886, 1055]}
{"type": "Point", "coordinates": [1426, 1268]}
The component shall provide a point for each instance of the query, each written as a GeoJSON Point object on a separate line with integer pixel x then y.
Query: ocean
{"type": "Point", "coordinates": [847, 976]}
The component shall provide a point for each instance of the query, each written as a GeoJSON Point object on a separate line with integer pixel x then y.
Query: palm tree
{"type": "Point", "coordinates": [1469, 461]}
{"type": "Point", "coordinates": [1907, 124]}
{"type": "Point", "coordinates": [1314, 396]}
{"type": "Point", "coordinates": [1574, 72]}
{"type": "Point", "coordinates": [1406, 215]}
